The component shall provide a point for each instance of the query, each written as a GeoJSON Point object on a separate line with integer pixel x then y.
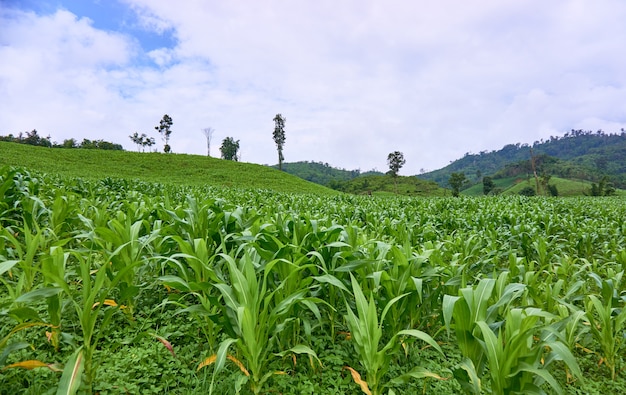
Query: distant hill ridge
{"type": "Point", "coordinates": [581, 154]}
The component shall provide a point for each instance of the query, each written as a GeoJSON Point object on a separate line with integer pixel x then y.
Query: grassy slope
{"type": "Point", "coordinates": [384, 185]}
{"type": "Point", "coordinates": [153, 167]}
{"type": "Point", "coordinates": [513, 185]}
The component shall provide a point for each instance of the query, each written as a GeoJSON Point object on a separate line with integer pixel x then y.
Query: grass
{"type": "Point", "coordinates": [513, 185]}
{"type": "Point", "coordinates": [176, 169]}
{"type": "Point", "coordinates": [385, 185]}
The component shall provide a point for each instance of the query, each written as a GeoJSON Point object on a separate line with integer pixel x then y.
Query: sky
{"type": "Point", "coordinates": [355, 79]}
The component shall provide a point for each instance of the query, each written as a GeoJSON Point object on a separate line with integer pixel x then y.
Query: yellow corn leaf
{"type": "Point", "coordinates": [280, 372]}
{"type": "Point", "coordinates": [211, 360]}
{"type": "Point", "coordinates": [588, 351]}
{"type": "Point", "coordinates": [348, 335]}
{"type": "Point", "coordinates": [238, 363]}
{"type": "Point", "coordinates": [109, 302]}
{"type": "Point", "coordinates": [357, 379]}
{"type": "Point", "coordinates": [30, 364]}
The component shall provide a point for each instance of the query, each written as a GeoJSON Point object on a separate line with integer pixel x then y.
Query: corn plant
{"type": "Point", "coordinates": [366, 331]}
{"type": "Point", "coordinates": [514, 361]}
{"type": "Point", "coordinates": [89, 294]}
{"type": "Point", "coordinates": [607, 319]}
{"type": "Point", "coordinates": [254, 318]}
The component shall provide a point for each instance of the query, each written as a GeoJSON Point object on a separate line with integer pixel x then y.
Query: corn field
{"type": "Point", "coordinates": [118, 286]}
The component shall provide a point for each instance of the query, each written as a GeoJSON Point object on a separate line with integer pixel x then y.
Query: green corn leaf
{"type": "Point", "coordinates": [447, 309]}
{"type": "Point", "coordinates": [466, 375]}
{"type": "Point", "coordinates": [542, 373]}
{"type": "Point", "coordinates": [330, 279]}
{"type": "Point", "coordinates": [7, 265]}
{"type": "Point", "coordinates": [38, 294]}
{"type": "Point", "coordinates": [300, 349]}
{"type": "Point", "coordinates": [416, 373]}
{"type": "Point", "coordinates": [421, 336]}
{"type": "Point", "coordinates": [175, 282]}
{"type": "Point", "coordinates": [71, 377]}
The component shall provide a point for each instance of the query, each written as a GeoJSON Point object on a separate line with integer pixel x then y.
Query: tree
{"type": "Point", "coordinates": [395, 160]}
{"type": "Point", "coordinates": [165, 131]}
{"type": "Point", "coordinates": [456, 181]}
{"type": "Point", "coordinates": [208, 133]}
{"type": "Point", "coordinates": [142, 141]}
{"type": "Point", "coordinates": [69, 143]}
{"type": "Point", "coordinates": [488, 185]}
{"type": "Point", "coordinates": [230, 149]}
{"type": "Point", "coordinates": [137, 139]}
{"type": "Point", "coordinates": [279, 137]}
{"type": "Point", "coordinates": [527, 191]}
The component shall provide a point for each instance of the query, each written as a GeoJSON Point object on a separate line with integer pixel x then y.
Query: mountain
{"type": "Point", "coordinates": [578, 154]}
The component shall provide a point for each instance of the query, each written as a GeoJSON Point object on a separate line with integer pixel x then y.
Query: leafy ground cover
{"type": "Point", "coordinates": [115, 287]}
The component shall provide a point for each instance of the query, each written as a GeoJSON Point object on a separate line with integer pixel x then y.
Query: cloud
{"type": "Point", "coordinates": [355, 79]}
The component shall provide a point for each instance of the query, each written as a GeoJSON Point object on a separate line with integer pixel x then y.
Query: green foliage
{"type": "Point", "coordinates": [457, 181]}
{"type": "Point", "coordinates": [33, 138]}
{"type": "Point", "coordinates": [527, 191]}
{"type": "Point", "coordinates": [577, 155]}
{"type": "Point", "coordinates": [164, 129]}
{"type": "Point", "coordinates": [230, 149]}
{"type": "Point", "coordinates": [395, 160]}
{"type": "Point", "coordinates": [386, 185]}
{"type": "Point", "coordinates": [320, 173]}
{"type": "Point", "coordinates": [488, 185]}
{"type": "Point", "coordinates": [279, 137]}
{"type": "Point", "coordinates": [154, 288]}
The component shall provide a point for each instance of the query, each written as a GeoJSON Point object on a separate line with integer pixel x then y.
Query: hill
{"type": "Point", "coordinates": [580, 154]}
{"type": "Point", "coordinates": [386, 185]}
{"type": "Point", "coordinates": [152, 167]}
{"type": "Point", "coordinates": [322, 173]}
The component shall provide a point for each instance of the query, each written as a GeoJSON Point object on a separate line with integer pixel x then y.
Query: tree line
{"type": "Point", "coordinates": [33, 138]}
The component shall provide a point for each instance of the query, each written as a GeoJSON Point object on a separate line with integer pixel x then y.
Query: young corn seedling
{"type": "Point", "coordinates": [254, 319]}
{"type": "Point", "coordinates": [517, 363]}
{"type": "Point", "coordinates": [366, 330]}
{"type": "Point", "coordinates": [607, 320]}
{"type": "Point", "coordinates": [88, 295]}
{"type": "Point", "coordinates": [512, 359]}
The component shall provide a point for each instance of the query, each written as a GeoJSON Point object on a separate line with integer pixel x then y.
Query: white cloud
{"type": "Point", "coordinates": [355, 79]}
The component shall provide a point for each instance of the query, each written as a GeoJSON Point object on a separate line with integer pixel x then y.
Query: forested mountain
{"type": "Point", "coordinates": [322, 173]}
{"type": "Point", "coordinates": [578, 154]}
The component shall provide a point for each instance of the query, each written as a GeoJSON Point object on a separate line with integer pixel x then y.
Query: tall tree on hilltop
{"type": "Point", "coordinates": [395, 160]}
{"type": "Point", "coordinates": [279, 137]}
{"type": "Point", "coordinates": [230, 149]}
{"type": "Point", "coordinates": [165, 131]}
{"type": "Point", "coordinates": [208, 133]}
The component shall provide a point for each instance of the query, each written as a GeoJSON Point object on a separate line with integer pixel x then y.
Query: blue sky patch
{"type": "Point", "coordinates": [108, 15]}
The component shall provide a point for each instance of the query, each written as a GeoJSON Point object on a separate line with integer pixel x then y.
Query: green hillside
{"type": "Point", "coordinates": [578, 154]}
{"type": "Point", "coordinates": [386, 185]}
{"type": "Point", "coordinates": [152, 167]}
{"type": "Point", "coordinates": [322, 173]}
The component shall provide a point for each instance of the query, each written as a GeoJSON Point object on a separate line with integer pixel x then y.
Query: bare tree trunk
{"type": "Point", "coordinates": [208, 133]}
{"type": "Point", "coordinates": [532, 164]}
